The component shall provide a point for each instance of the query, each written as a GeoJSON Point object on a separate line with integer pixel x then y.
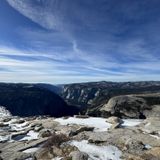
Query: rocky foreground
{"type": "Point", "coordinates": [79, 138]}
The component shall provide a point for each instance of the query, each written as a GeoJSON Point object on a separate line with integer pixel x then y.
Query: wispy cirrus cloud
{"type": "Point", "coordinates": [86, 40]}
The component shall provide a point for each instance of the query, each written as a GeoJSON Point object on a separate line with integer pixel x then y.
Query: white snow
{"type": "Point", "coordinates": [31, 135]}
{"type": "Point", "coordinates": [98, 152]}
{"type": "Point", "coordinates": [31, 150]}
{"type": "Point", "coordinates": [100, 124]}
{"type": "Point", "coordinates": [155, 136]}
{"type": "Point", "coordinates": [57, 158]}
{"type": "Point", "coordinates": [147, 146]}
{"type": "Point", "coordinates": [131, 122]}
{"type": "Point", "coordinates": [5, 138]}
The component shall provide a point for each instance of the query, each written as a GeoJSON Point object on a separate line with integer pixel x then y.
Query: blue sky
{"type": "Point", "coordinates": [65, 41]}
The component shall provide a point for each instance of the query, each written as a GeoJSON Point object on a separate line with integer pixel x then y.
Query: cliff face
{"type": "Point", "coordinates": [97, 93]}
{"type": "Point", "coordinates": [90, 97]}
{"type": "Point", "coordinates": [29, 100]}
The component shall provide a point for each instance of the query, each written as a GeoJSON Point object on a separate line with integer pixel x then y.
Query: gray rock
{"type": "Point", "coordinates": [19, 121]}
{"type": "Point", "coordinates": [3, 125]}
{"type": "Point", "coordinates": [7, 119]}
{"type": "Point", "coordinates": [45, 133]}
{"type": "Point", "coordinates": [77, 155]}
{"type": "Point", "coordinates": [81, 116]}
{"type": "Point", "coordinates": [154, 112]}
{"type": "Point", "coordinates": [125, 106]}
{"type": "Point", "coordinates": [73, 130]}
{"type": "Point", "coordinates": [22, 156]}
{"type": "Point", "coordinates": [115, 126]}
{"type": "Point", "coordinates": [38, 128]}
{"type": "Point", "coordinates": [114, 120]}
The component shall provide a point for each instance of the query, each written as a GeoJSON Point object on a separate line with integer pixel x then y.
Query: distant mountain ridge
{"type": "Point", "coordinates": [46, 99]}
{"type": "Point", "coordinates": [94, 93]}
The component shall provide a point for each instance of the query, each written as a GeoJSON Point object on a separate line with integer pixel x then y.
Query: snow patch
{"type": "Point", "coordinates": [99, 124]}
{"type": "Point", "coordinates": [154, 136]}
{"type": "Point", "coordinates": [31, 135]}
{"type": "Point", "coordinates": [98, 152]}
{"type": "Point", "coordinates": [5, 138]}
{"type": "Point", "coordinates": [57, 158]}
{"type": "Point", "coordinates": [31, 150]}
{"type": "Point", "coordinates": [131, 122]}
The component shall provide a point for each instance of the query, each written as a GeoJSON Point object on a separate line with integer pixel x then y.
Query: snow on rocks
{"type": "Point", "coordinates": [31, 150]}
{"type": "Point", "coordinates": [5, 138]}
{"type": "Point", "coordinates": [131, 122]}
{"type": "Point", "coordinates": [57, 158]}
{"type": "Point", "coordinates": [99, 124]}
{"type": "Point", "coordinates": [31, 135]}
{"type": "Point", "coordinates": [97, 152]}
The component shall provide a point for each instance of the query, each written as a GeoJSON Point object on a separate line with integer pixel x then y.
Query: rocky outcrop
{"type": "Point", "coordinates": [125, 106]}
{"type": "Point", "coordinates": [29, 100]}
{"type": "Point", "coordinates": [74, 141]}
{"type": "Point", "coordinates": [133, 106]}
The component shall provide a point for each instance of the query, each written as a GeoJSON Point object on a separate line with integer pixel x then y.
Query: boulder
{"type": "Point", "coordinates": [73, 130]}
{"type": "Point", "coordinates": [151, 126]}
{"type": "Point", "coordinates": [114, 120]}
{"type": "Point", "coordinates": [115, 126]}
{"type": "Point", "coordinates": [45, 133]}
{"type": "Point", "coordinates": [3, 125]}
{"type": "Point", "coordinates": [126, 106]}
{"type": "Point", "coordinates": [6, 119]}
{"type": "Point", "coordinates": [19, 121]}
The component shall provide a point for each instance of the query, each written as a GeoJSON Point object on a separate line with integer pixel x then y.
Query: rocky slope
{"type": "Point", "coordinates": [79, 138]}
{"type": "Point", "coordinates": [29, 100]}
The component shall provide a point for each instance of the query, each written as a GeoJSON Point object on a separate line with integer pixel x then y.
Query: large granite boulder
{"type": "Point", "coordinates": [126, 106]}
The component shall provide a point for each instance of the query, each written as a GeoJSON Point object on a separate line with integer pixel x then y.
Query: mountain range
{"type": "Point", "coordinates": [86, 98]}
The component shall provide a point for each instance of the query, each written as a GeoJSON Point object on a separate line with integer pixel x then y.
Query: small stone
{"type": "Point", "coordinates": [81, 116]}
{"type": "Point", "coordinates": [77, 155]}
{"type": "Point", "coordinates": [114, 120]}
{"type": "Point", "coordinates": [3, 125]}
{"type": "Point", "coordinates": [45, 133]}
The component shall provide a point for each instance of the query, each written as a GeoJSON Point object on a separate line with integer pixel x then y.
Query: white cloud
{"type": "Point", "coordinates": [38, 14]}
{"type": "Point", "coordinates": [93, 50]}
{"type": "Point", "coordinates": [43, 70]}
